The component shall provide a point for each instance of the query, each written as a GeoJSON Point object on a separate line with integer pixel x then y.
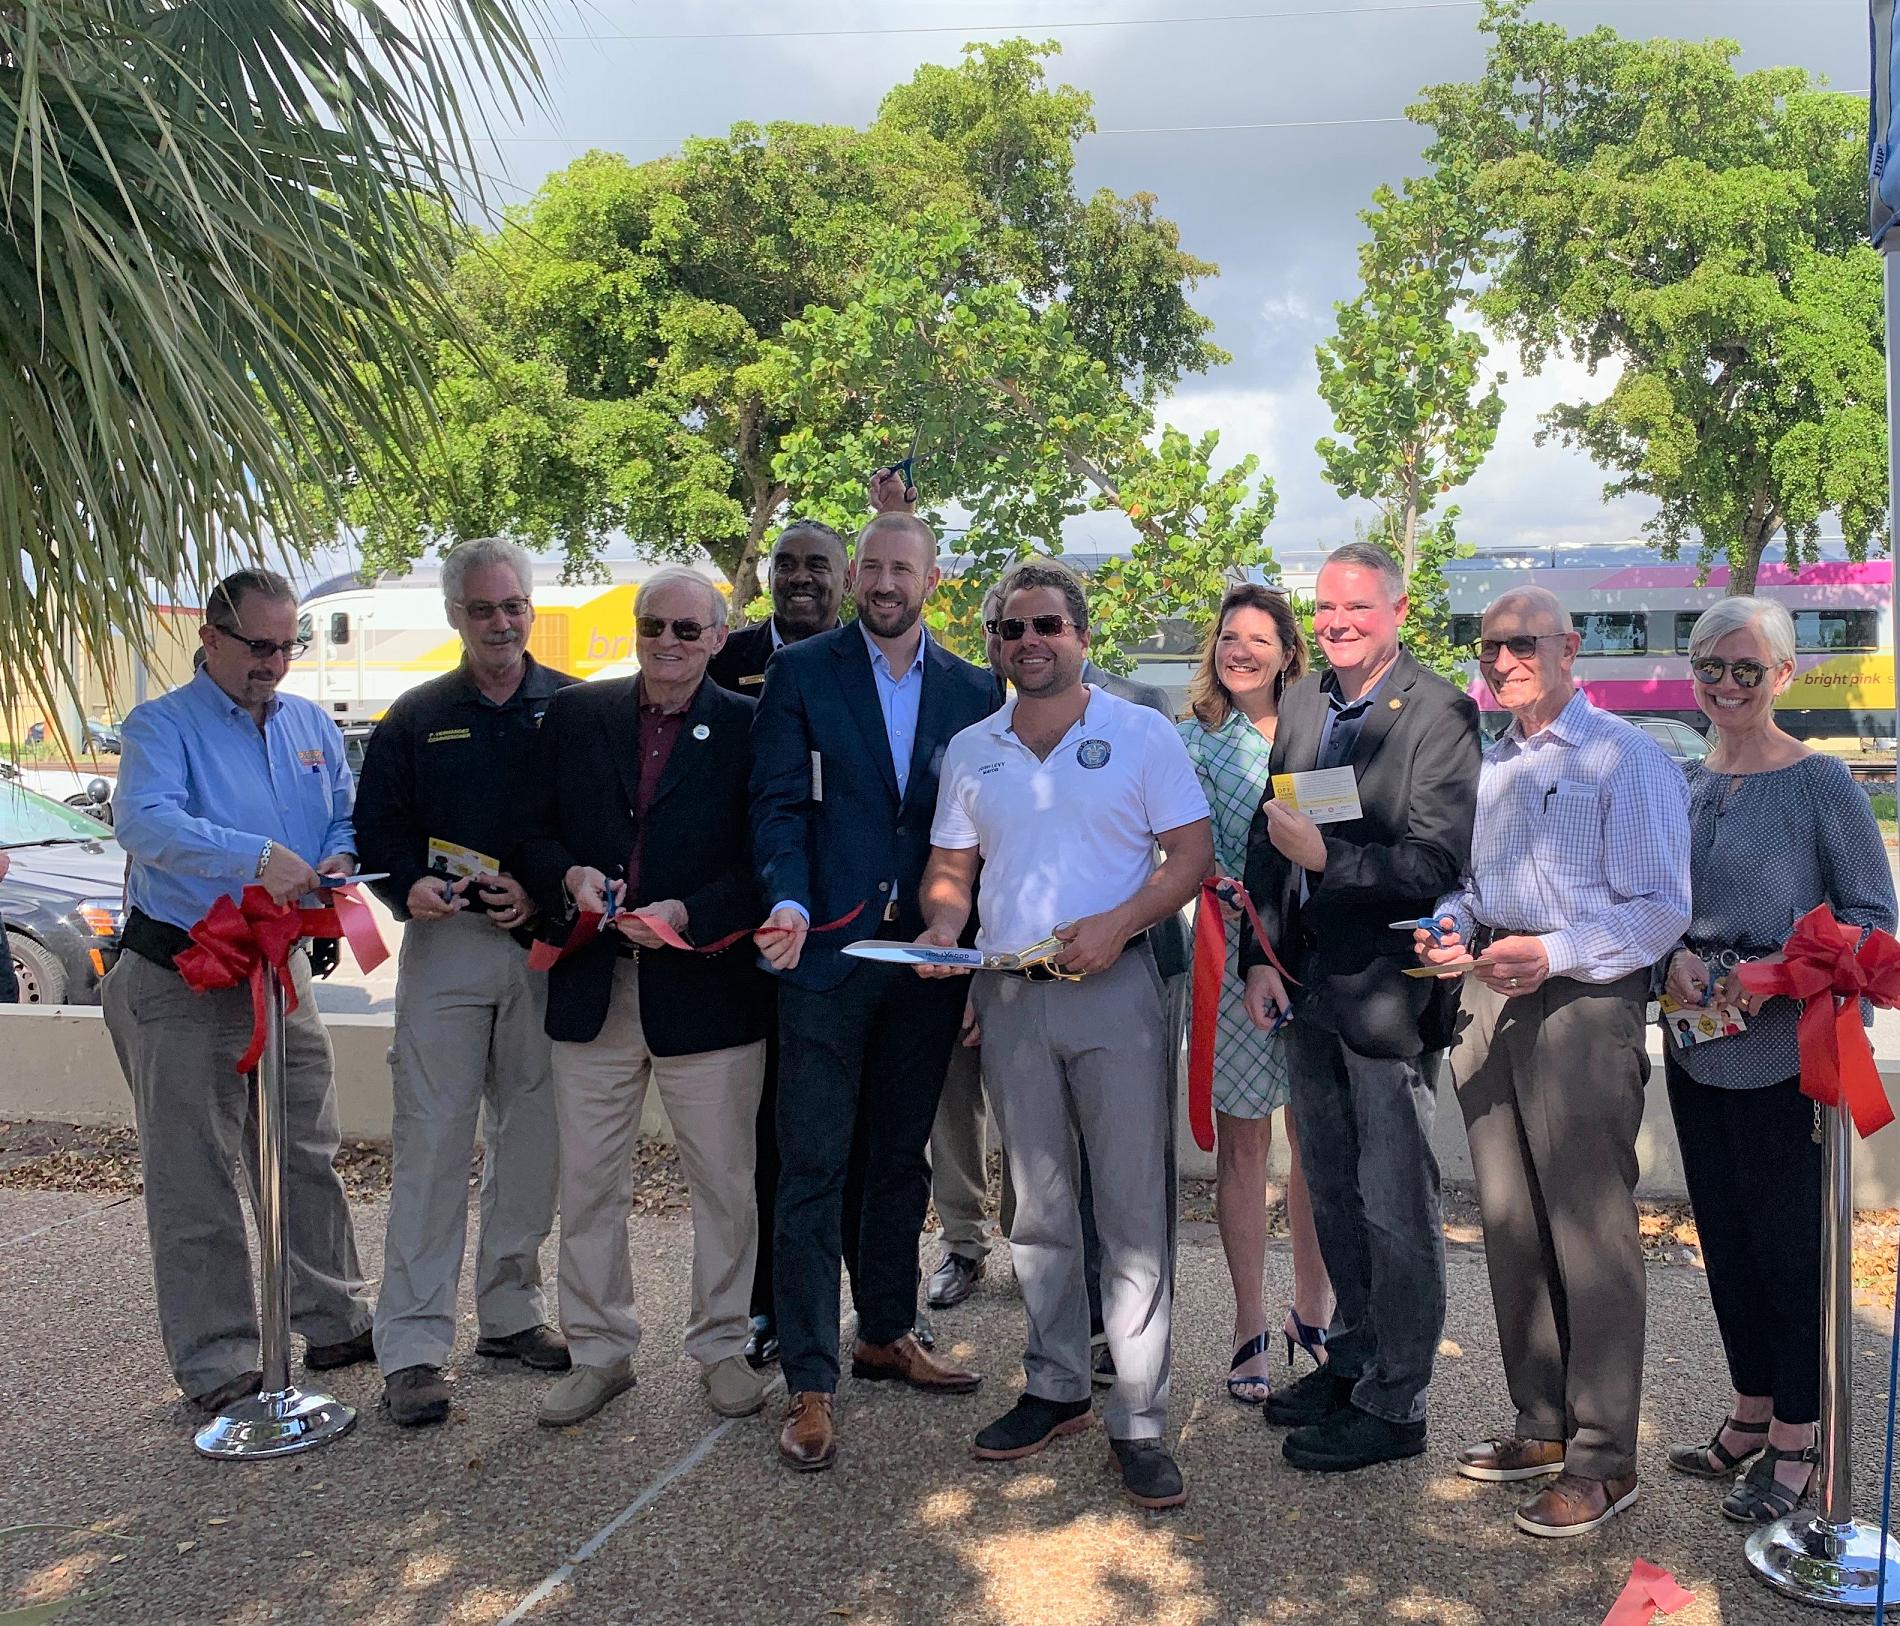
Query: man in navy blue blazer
{"type": "Point", "coordinates": [851, 730]}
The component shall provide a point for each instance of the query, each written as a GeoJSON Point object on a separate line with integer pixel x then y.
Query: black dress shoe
{"type": "Point", "coordinates": [351, 1352]}
{"type": "Point", "coordinates": [1028, 1426]}
{"type": "Point", "coordinates": [213, 1401]}
{"type": "Point", "coordinates": [924, 1334]}
{"type": "Point", "coordinates": [1101, 1362]}
{"type": "Point", "coordinates": [761, 1343]}
{"type": "Point", "coordinates": [1352, 1439]}
{"type": "Point", "coordinates": [953, 1281]}
{"type": "Point", "coordinates": [1150, 1475]}
{"type": "Point", "coordinates": [540, 1349]}
{"type": "Point", "coordinates": [1312, 1399]}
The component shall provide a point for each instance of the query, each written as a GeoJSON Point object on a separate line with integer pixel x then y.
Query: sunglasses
{"type": "Point", "coordinates": [264, 648]}
{"type": "Point", "coordinates": [1523, 646]}
{"type": "Point", "coordinates": [479, 609]}
{"type": "Point", "coordinates": [653, 626]}
{"type": "Point", "coordinates": [1013, 628]}
{"type": "Point", "coordinates": [1709, 672]}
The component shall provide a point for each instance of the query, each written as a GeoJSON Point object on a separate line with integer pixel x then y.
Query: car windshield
{"type": "Point", "coordinates": [25, 816]}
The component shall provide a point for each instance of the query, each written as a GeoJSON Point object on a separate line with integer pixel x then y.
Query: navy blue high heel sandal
{"type": "Point", "coordinates": [1310, 1339]}
{"type": "Point", "coordinates": [1251, 1391]}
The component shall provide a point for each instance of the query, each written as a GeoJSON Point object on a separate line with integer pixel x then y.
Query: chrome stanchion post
{"type": "Point", "coordinates": [1827, 1556]}
{"type": "Point", "coordinates": [281, 1418]}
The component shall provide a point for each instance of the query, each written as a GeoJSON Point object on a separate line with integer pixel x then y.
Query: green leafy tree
{"type": "Point", "coordinates": [690, 349]}
{"type": "Point", "coordinates": [1699, 229]}
{"type": "Point", "coordinates": [1415, 410]}
{"type": "Point", "coordinates": [225, 228]}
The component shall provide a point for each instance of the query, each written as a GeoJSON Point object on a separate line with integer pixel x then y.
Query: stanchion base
{"type": "Point", "coordinates": [275, 1425]}
{"type": "Point", "coordinates": [1836, 1566]}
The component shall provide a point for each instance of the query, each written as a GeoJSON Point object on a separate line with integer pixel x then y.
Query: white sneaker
{"type": "Point", "coordinates": [583, 1392]}
{"type": "Point", "coordinates": [734, 1389]}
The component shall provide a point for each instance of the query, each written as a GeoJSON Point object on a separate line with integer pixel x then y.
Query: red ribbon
{"type": "Point", "coordinates": [1210, 970]}
{"type": "Point", "coordinates": [1827, 964]}
{"type": "Point", "coordinates": [249, 940]}
{"type": "Point", "coordinates": [545, 956]}
{"type": "Point", "coordinates": [1650, 1591]}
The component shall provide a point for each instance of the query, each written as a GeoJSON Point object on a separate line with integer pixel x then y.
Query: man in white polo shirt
{"type": "Point", "coordinates": [1062, 797]}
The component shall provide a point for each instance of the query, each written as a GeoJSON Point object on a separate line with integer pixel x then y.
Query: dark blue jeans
{"type": "Point", "coordinates": [861, 1067]}
{"type": "Point", "coordinates": [1366, 1146]}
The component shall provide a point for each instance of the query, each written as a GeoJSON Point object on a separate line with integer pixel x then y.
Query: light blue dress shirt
{"type": "Point", "coordinates": [201, 789]}
{"type": "Point", "coordinates": [899, 698]}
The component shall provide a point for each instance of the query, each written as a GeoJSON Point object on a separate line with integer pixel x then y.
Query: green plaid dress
{"type": "Point", "coordinates": [1250, 1076]}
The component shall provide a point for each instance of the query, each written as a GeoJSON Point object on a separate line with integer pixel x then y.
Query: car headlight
{"type": "Point", "coordinates": [100, 916]}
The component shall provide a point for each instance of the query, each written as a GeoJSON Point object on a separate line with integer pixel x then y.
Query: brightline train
{"type": "Point", "coordinates": [1635, 611]}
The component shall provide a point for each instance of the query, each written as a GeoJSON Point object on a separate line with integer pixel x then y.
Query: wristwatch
{"type": "Point", "coordinates": [263, 858]}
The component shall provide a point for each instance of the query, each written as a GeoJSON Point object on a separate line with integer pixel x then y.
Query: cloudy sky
{"type": "Point", "coordinates": [1262, 129]}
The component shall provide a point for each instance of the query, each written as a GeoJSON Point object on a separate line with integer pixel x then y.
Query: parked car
{"type": "Point", "coordinates": [63, 898]}
{"type": "Point", "coordinates": [1682, 743]}
{"type": "Point", "coordinates": [85, 792]}
{"type": "Point", "coordinates": [98, 737]}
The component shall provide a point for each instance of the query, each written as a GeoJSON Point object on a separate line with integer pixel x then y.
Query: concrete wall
{"type": "Point", "coordinates": [56, 1062]}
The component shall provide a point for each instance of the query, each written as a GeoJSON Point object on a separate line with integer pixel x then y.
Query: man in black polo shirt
{"type": "Point", "coordinates": [438, 809]}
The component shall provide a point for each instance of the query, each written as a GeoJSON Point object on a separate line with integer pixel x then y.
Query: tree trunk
{"type": "Point", "coordinates": [1408, 532]}
{"type": "Point", "coordinates": [1758, 530]}
{"type": "Point", "coordinates": [745, 574]}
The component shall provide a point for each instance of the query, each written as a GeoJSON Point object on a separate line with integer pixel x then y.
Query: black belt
{"type": "Point", "coordinates": [156, 940]}
{"type": "Point", "coordinates": [1727, 956]}
{"type": "Point", "coordinates": [1052, 973]}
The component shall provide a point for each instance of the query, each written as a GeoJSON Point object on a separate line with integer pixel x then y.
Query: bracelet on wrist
{"type": "Point", "coordinates": [263, 859]}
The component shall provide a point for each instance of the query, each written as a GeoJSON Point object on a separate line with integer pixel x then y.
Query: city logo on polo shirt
{"type": "Point", "coordinates": [1093, 753]}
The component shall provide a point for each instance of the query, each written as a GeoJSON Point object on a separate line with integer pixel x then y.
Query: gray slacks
{"type": "Point", "coordinates": [1551, 1085]}
{"type": "Point", "coordinates": [1366, 1149]}
{"type": "Point", "coordinates": [196, 1130]}
{"type": "Point", "coordinates": [1074, 1063]}
{"type": "Point", "coordinates": [469, 1043]}
{"type": "Point", "coordinates": [958, 1173]}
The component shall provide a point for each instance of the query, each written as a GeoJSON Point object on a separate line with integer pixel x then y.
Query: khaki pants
{"type": "Point", "coordinates": [470, 1041]}
{"type": "Point", "coordinates": [1551, 1084]}
{"type": "Point", "coordinates": [712, 1099]}
{"type": "Point", "coordinates": [958, 1175]}
{"type": "Point", "coordinates": [196, 1130]}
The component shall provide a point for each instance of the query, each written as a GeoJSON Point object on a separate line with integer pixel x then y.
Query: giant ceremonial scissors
{"type": "Point", "coordinates": [1044, 955]}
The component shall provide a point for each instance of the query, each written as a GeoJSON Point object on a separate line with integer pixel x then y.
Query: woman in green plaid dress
{"type": "Point", "coordinates": [1253, 650]}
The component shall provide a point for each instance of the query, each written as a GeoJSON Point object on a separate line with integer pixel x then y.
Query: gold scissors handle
{"type": "Point", "coordinates": [1047, 954]}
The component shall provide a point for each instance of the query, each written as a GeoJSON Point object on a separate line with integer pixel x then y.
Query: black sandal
{"type": "Point", "coordinates": [1759, 1497]}
{"type": "Point", "coordinates": [1694, 1459]}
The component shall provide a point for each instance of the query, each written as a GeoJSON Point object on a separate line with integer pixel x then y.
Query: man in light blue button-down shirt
{"type": "Point", "coordinates": [223, 783]}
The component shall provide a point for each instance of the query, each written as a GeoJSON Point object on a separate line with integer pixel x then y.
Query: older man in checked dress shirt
{"type": "Point", "coordinates": [1579, 881]}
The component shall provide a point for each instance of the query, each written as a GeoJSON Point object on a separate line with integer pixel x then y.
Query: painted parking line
{"type": "Point", "coordinates": [564, 1573]}
{"type": "Point", "coordinates": [70, 1219]}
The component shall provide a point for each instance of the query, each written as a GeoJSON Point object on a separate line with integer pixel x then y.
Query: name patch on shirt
{"type": "Point", "coordinates": [312, 758]}
{"type": "Point", "coordinates": [441, 734]}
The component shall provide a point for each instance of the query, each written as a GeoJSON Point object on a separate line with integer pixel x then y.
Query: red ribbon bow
{"type": "Point", "coordinates": [1650, 1591]}
{"type": "Point", "coordinates": [1210, 969]}
{"type": "Point", "coordinates": [1827, 964]}
{"type": "Point", "coordinates": [250, 941]}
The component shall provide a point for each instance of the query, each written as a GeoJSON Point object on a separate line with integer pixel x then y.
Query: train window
{"type": "Point", "coordinates": [340, 627]}
{"type": "Point", "coordinates": [1612, 632]}
{"type": "Point", "coordinates": [306, 630]}
{"type": "Point", "coordinates": [1815, 631]}
{"type": "Point", "coordinates": [1464, 630]}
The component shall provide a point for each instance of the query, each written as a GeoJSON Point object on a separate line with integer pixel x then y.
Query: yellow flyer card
{"type": "Point", "coordinates": [1326, 795]}
{"type": "Point", "coordinates": [446, 858]}
{"type": "Point", "coordinates": [1698, 1024]}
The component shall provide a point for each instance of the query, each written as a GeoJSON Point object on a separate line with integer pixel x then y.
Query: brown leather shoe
{"type": "Point", "coordinates": [1572, 1505]}
{"type": "Point", "coordinates": [907, 1361]}
{"type": "Point", "coordinates": [1501, 1462]}
{"type": "Point", "coordinates": [806, 1442]}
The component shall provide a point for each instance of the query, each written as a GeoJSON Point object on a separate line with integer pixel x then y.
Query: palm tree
{"type": "Point", "coordinates": [223, 229]}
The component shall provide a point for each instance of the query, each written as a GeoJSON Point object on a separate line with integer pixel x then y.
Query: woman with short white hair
{"type": "Point", "coordinates": [1775, 829]}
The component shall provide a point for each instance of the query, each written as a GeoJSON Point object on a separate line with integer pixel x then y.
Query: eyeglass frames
{"type": "Point", "coordinates": [1011, 629]}
{"type": "Point", "coordinates": [264, 648]}
{"type": "Point", "coordinates": [654, 626]}
{"type": "Point", "coordinates": [1710, 670]}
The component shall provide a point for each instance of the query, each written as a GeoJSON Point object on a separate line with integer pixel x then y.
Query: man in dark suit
{"type": "Point", "coordinates": [1365, 1037]}
{"type": "Point", "coordinates": [806, 578]}
{"type": "Point", "coordinates": [851, 730]}
{"type": "Point", "coordinates": [643, 805]}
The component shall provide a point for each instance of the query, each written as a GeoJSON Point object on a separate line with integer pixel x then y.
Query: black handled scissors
{"type": "Point", "coordinates": [904, 468]}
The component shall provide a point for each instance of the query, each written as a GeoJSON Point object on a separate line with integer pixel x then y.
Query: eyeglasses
{"type": "Point", "coordinates": [264, 648]}
{"type": "Point", "coordinates": [1012, 629]}
{"type": "Point", "coordinates": [1523, 646]}
{"type": "Point", "coordinates": [654, 626]}
{"type": "Point", "coordinates": [479, 609]}
{"type": "Point", "coordinates": [1709, 672]}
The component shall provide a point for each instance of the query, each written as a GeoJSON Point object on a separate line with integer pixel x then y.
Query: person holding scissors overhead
{"type": "Point", "coordinates": [1578, 883]}
{"type": "Point", "coordinates": [1062, 798]}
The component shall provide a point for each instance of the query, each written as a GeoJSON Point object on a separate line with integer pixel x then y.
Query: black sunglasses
{"type": "Point", "coordinates": [1523, 646]}
{"type": "Point", "coordinates": [1710, 670]}
{"type": "Point", "coordinates": [1012, 628]}
{"type": "Point", "coordinates": [652, 626]}
{"type": "Point", "coordinates": [264, 648]}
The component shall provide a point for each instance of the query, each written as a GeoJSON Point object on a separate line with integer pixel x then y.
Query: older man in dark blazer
{"type": "Point", "coordinates": [851, 730]}
{"type": "Point", "coordinates": [642, 818]}
{"type": "Point", "coordinates": [1365, 1037]}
